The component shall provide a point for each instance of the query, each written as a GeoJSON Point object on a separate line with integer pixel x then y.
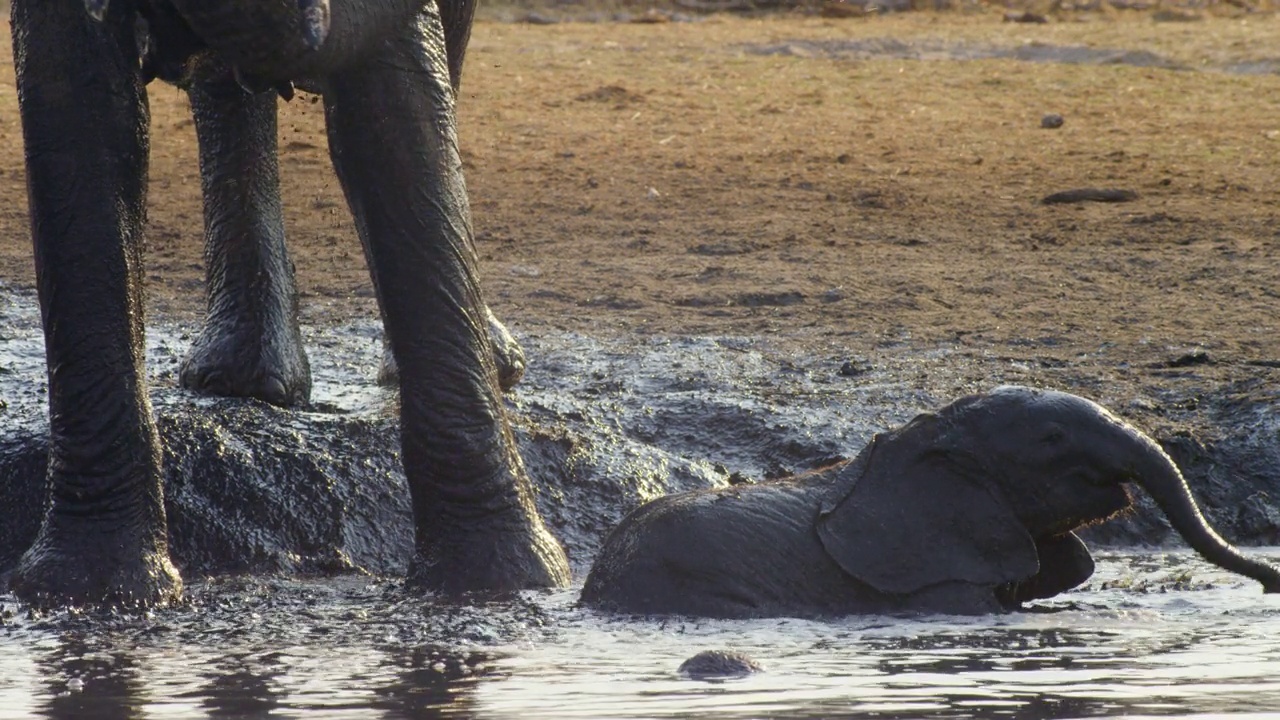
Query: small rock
{"type": "Point", "coordinates": [833, 295]}
{"type": "Point", "coordinates": [1175, 15]}
{"type": "Point", "coordinates": [854, 367]}
{"type": "Point", "coordinates": [1195, 356]}
{"type": "Point", "coordinates": [537, 18]}
{"type": "Point", "coordinates": [1025, 17]}
{"type": "Point", "coordinates": [718, 664]}
{"type": "Point", "coordinates": [1090, 195]}
{"type": "Point", "coordinates": [1052, 121]}
{"type": "Point", "coordinates": [1144, 405]}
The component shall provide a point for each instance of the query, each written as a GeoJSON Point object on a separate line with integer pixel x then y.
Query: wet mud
{"type": "Point", "coordinates": [604, 424]}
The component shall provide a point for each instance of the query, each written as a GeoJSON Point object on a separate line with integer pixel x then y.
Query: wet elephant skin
{"type": "Point", "coordinates": [970, 510]}
{"type": "Point", "coordinates": [249, 344]}
{"type": "Point", "coordinates": [393, 143]}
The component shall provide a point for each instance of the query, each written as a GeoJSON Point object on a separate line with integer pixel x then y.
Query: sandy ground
{"type": "Point", "coordinates": [789, 176]}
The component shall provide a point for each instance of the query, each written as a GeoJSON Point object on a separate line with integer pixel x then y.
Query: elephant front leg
{"type": "Point", "coordinates": [250, 345]}
{"type": "Point", "coordinates": [393, 141]}
{"type": "Point", "coordinates": [103, 537]}
{"type": "Point", "coordinates": [456, 18]}
{"type": "Point", "coordinates": [1065, 563]}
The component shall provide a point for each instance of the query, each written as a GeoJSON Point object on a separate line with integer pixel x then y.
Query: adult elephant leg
{"type": "Point", "coordinates": [84, 121]}
{"type": "Point", "coordinates": [456, 18]}
{"type": "Point", "coordinates": [394, 145]}
{"type": "Point", "coordinates": [250, 345]}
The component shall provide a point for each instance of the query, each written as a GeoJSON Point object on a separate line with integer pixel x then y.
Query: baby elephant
{"type": "Point", "coordinates": [969, 510]}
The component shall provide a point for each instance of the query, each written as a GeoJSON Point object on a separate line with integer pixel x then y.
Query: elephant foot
{"type": "Point", "coordinates": [473, 560]}
{"type": "Point", "coordinates": [70, 566]}
{"type": "Point", "coordinates": [258, 360]}
{"type": "Point", "coordinates": [507, 354]}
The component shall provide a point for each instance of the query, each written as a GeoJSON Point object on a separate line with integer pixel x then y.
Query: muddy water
{"type": "Point", "coordinates": [605, 423]}
{"type": "Point", "coordinates": [1151, 635]}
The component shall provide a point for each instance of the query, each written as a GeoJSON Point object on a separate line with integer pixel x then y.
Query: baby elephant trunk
{"type": "Point", "coordinates": [1160, 477]}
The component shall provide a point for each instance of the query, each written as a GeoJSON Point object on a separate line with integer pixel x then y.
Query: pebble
{"type": "Point", "coordinates": [1052, 121]}
{"type": "Point", "coordinates": [718, 664]}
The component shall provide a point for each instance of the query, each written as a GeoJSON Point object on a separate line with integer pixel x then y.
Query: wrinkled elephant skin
{"type": "Point", "coordinates": [969, 510]}
{"type": "Point", "coordinates": [387, 70]}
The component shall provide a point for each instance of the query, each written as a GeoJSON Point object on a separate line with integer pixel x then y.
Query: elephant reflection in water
{"type": "Point", "coordinates": [90, 676]}
{"type": "Point", "coordinates": [968, 510]}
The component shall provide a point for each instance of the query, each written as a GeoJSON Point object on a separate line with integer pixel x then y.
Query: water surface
{"type": "Point", "coordinates": [1152, 634]}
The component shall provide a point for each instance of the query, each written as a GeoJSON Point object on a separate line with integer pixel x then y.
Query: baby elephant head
{"type": "Point", "coordinates": [989, 490]}
{"type": "Point", "coordinates": [971, 509]}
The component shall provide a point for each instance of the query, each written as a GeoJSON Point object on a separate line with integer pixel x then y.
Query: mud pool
{"type": "Point", "coordinates": [604, 424]}
{"type": "Point", "coordinates": [1151, 635]}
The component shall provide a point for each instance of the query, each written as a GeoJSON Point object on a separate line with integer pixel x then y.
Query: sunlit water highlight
{"type": "Point", "coordinates": [1153, 634]}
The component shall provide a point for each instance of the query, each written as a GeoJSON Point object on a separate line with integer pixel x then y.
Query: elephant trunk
{"type": "Point", "coordinates": [284, 40]}
{"type": "Point", "coordinates": [1160, 477]}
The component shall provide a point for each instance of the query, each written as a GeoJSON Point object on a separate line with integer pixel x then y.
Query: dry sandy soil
{"type": "Point", "coordinates": [783, 176]}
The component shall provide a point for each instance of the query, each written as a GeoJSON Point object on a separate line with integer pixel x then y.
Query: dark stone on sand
{"type": "Point", "coordinates": [1052, 121]}
{"type": "Point", "coordinates": [1079, 195]}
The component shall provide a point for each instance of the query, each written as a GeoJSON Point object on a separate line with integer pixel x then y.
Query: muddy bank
{"type": "Point", "coordinates": [604, 424]}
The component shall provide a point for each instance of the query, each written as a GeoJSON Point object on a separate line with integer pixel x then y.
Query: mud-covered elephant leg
{"type": "Point", "coordinates": [456, 17]}
{"type": "Point", "coordinates": [84, 119]}
{"type": "Point", "coordinates": [250, 345]}
{"type": "Point", "coordinates": [393, 140]}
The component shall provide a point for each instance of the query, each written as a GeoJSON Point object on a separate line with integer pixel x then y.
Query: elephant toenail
{"type": "Point", "coordinates": [274, 392]}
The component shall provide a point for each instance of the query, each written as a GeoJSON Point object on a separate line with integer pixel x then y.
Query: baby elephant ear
{"type": "Point", "coordinates": [902, 517]}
